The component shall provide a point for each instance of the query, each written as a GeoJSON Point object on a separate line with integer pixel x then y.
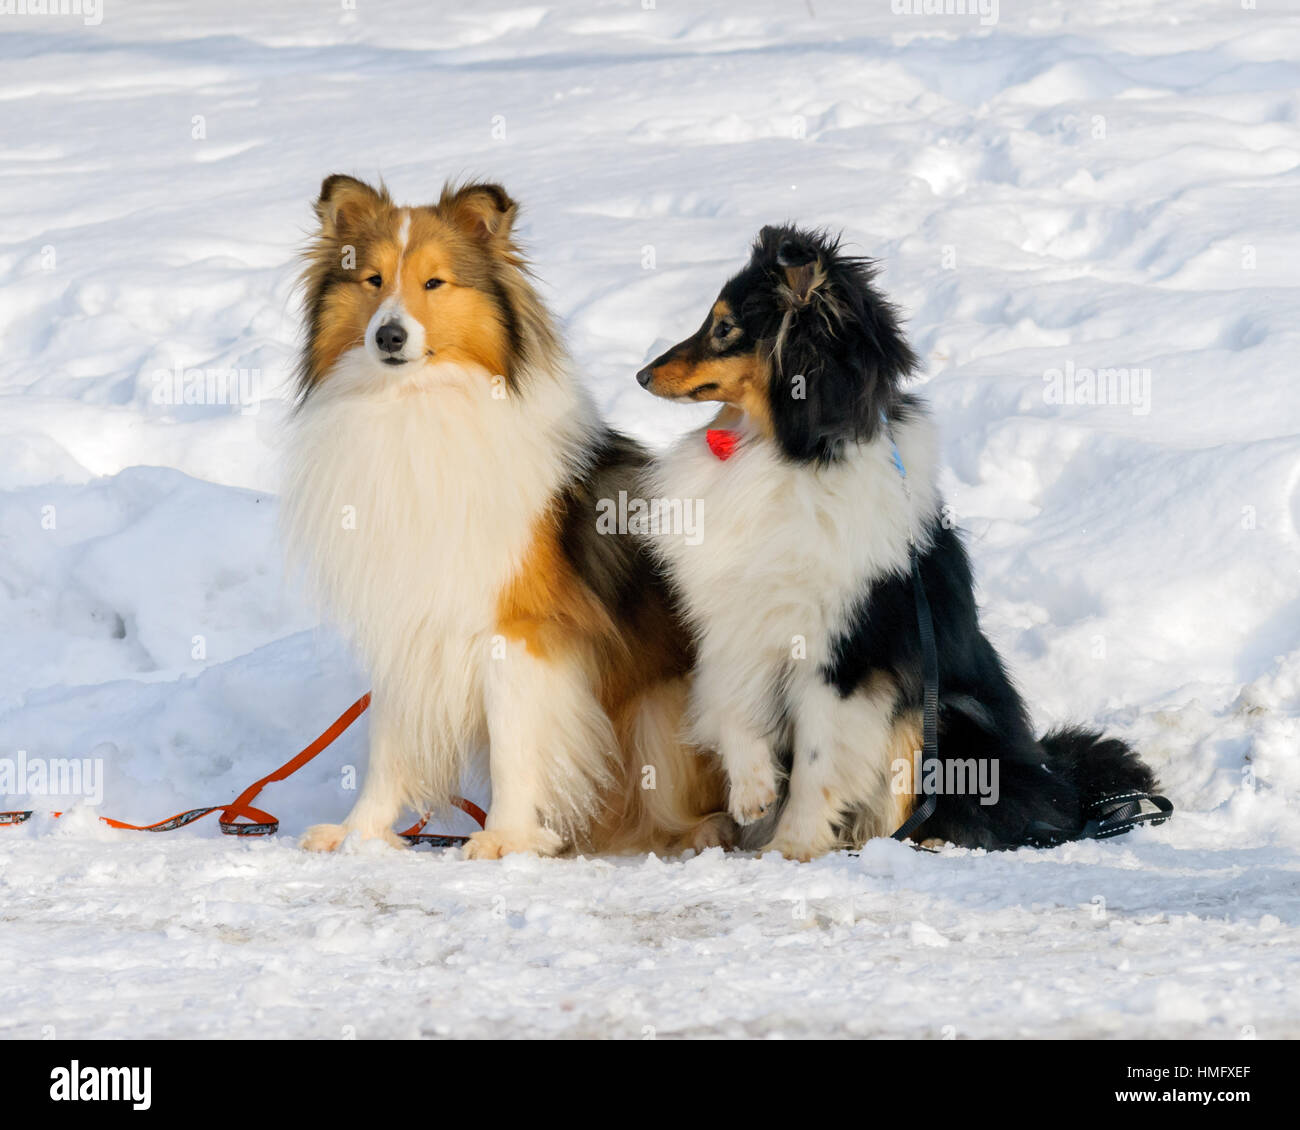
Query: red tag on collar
{"type": "Point", "coordinates": [722, 442]}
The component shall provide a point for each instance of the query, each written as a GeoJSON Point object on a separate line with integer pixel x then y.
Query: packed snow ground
{"type": "Point", "coordinates": [1070, 187]}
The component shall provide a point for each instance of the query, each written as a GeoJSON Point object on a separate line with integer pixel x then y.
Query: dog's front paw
{"type": "Point", "coordinates": [799, 848]}
{"type": "Point", "coordinates": [493, 843]}
{"type": "Point", "coordinates": [753, 795]}
{"type": "Point", "coordinates": [323, 837]}
{"type": "Point", "coordinates": [328, 837]}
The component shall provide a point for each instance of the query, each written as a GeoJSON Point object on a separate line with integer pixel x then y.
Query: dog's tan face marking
{"type": "Point", "coordinates": [415, 257]}
{"type": "Point", "coordinates": [715, 363]}
{"type": "Point", "coordinates": [441, 279]}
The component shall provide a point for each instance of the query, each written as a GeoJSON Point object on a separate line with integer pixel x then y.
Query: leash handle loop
{"type": "Point", "coordinates": [1117, 814]}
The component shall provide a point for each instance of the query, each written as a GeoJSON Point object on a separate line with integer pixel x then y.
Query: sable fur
{"type": "Point", "coordinates": [440, 494]}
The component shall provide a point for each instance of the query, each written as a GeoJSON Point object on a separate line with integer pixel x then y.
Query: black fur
{"type": "Point", "coordinates": [836, 354]}
{"type": "Point", "coordinates": [1044, 785]}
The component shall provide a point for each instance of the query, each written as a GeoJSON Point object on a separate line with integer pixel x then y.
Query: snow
{"type": "Point", "coordinates": [1072, 187]}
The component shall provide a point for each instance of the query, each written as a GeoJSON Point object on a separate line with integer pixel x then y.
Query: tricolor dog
{"type": "Point", "coordinates": [799, 594]}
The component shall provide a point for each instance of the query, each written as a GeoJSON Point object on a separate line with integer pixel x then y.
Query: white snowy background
{"type": "Point", "coordinates": [1105, 184]}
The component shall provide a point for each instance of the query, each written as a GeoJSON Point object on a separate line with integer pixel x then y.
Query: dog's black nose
{"type": "Point", "coordinates": [645, 376]}
{"type": "Point", "coordinates": [390, 337]}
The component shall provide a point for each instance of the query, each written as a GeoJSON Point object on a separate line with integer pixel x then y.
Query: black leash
{"type": "Point", "coordinates": [1110, 816]}
{"type": "Point", "coordinates": [929, 695]}
{"type": "Point", "coordinates": [1117, 814]}
{"type": "Point", "coordinates": [929, 657]}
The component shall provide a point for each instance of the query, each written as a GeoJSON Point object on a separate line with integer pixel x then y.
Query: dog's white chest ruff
{"type": "Point", "coordinates": [411, 507]}
{"type": "Point", "coordinates": [787, 553]}
{"type": "Point", "coordinates": [785, 550]}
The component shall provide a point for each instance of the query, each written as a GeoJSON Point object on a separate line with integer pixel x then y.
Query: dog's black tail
{"type": "Point", "coordinates": [1099, 766]}
{"type": "Point", "coordinates": [1071, 784]}
{"type": "Point", "coordinates": [1109, 779]}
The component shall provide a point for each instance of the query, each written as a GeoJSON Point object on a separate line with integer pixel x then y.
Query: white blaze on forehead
{"type": "Point", "coordinates": [403, 236]}
{"type": "Point", "coordinates": [393, 303]}
{"type": "Point", "coordinates": [393, 309]}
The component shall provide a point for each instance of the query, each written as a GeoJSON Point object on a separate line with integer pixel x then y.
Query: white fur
{"type": "Point", "coordinates": [786, 551]}
{"type": "Point", "coordinates": [411, 497]}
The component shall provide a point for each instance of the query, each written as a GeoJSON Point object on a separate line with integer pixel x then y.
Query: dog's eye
{"type": "Point", "coordinates": [433, 284]}
{"type": "Point", "coordinates": [725, 328]}
{"type": "Point", "coordinates": [375, 280]}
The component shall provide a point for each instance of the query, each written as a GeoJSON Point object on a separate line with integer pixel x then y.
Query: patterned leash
{"type": "Point", "coordinates": [240, 818]}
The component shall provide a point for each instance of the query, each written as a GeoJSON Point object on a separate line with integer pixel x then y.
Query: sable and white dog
{"type": "Point", "coordinates": [444, 474]}
{"type": "Point", "coordinates": [809, 664]}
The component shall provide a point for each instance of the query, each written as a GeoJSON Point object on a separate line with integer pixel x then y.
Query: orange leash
{"type": "Point", "coordinates": [413, 834]}
{"type": "Point", "coordinates": [240, 818]}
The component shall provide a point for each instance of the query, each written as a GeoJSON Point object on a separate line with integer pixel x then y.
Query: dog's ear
{"type": "Point", "coordinates": [800, 262]}
{"type": "Point", "coordinates": [822, 395]}
{"type": "Point", "coordinates": [345, 202]}
{"type": "Point", "coordinates": [835, 375]}
{"type": "Point", "coordinates": [483, 210]}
